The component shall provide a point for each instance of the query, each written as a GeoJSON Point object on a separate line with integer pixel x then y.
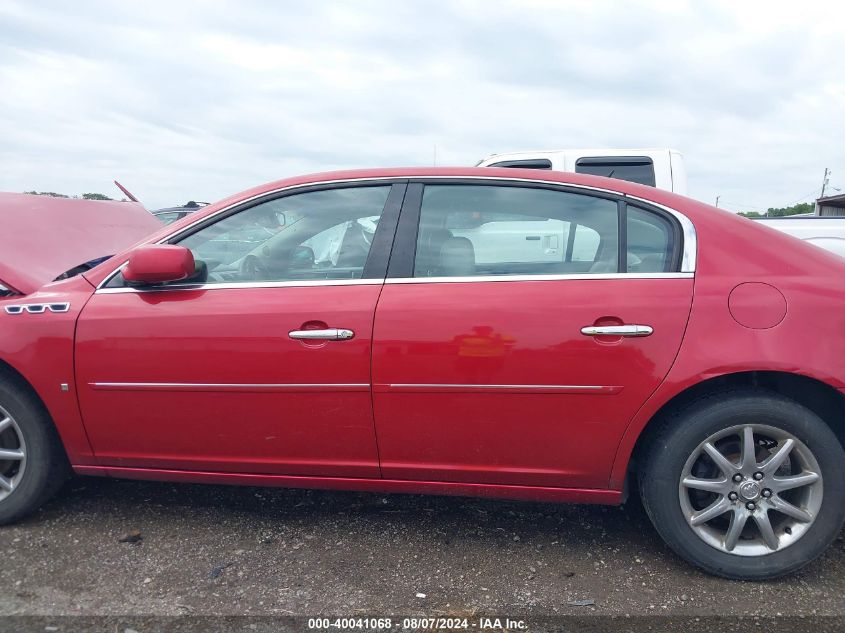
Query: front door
{"type": "Point", "coordinates": [260, 365]}
{"type": "Point", "coordinates": [516, 347]}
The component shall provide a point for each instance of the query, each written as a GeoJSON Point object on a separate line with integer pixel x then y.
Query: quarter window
{"type": "Point", "coordinates": [309, 236]}
{"type": "Point", "coordinates": [650, 240]}
{"type": "Point", "coordinates": [469, 230]}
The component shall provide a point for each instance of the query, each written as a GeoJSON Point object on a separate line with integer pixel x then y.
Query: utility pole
{"type": "Point", "coordinates": [825, 180]}
{"type": "Point", "coordinates": [717, 201]}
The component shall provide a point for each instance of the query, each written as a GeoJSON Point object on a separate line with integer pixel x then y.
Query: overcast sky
{"type": "Point", "coordinates": [197, 100]}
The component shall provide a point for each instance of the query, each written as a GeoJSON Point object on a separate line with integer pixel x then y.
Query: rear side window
{"type": "Point", "coordinates": [638, 169]}
{"type": "Point", "coordinates": [650, 242]}
{"type": "Point", "coordinates": [534, 163]}
{"type": "Point", "coordinates": [481, 230]}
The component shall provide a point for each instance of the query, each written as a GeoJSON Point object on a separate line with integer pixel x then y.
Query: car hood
{"type": "Point", "coordinates": [44, 237]}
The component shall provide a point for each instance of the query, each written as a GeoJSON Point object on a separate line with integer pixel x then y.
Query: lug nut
{"type": "Point", "coordinates": [750, 505]}
{"type": "Point", "coordinates": [766, 493]}
{"type": "Point", "coordinates": [737, 478]}
{"type": "Point", "coordinates": [758, 476]}
{"type": "Point", "coordinates": [733, 496]}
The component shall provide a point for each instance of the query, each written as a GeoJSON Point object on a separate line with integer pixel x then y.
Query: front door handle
{"type": "Point", "coordinates": [617, 330]}
{"type": "Point", "coordinates": [328, 334]}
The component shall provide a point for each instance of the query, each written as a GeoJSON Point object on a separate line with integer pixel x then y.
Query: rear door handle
{"type": "Point", "coordinates": [617, 330]}
{"type": "Point", "coordinates": [328, 334]}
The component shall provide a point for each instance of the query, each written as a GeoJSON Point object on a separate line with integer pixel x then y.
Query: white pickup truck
{"type": "Point", "coordinates": [662, 168]}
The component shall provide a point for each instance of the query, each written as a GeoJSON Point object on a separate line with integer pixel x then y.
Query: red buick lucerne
{"type": "Point", "coordinates": [473, 331]}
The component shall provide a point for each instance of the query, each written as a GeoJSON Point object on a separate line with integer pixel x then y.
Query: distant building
{"type": "Point", "coordinates": [831, 205]}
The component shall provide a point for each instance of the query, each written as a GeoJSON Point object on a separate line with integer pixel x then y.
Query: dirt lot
{"type": "Point", "coordinates": [229, 550]}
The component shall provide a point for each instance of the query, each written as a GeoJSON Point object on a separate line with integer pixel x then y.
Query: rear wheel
{"type": "Point", "coordinates": [32, 462]}
{"type": "Point", "coordinates": [747, 485]}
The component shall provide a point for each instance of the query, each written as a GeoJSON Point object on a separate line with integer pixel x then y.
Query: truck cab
{"type": "Point", "coordinates": [662, 168]}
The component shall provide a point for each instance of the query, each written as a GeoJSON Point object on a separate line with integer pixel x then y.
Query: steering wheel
{"type": "Point", "coordinates": [251, 269]}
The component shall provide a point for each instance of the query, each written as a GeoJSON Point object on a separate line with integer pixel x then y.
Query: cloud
{"type": "Point", "coordinates": [184, 100]}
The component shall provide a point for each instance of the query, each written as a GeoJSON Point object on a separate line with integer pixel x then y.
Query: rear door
{"type": "Point", "coordinates": [520, 329]}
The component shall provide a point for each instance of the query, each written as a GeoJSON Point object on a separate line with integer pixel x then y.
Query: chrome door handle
{"type": "Point", "coordinates": [329, 334]}
{"type": "Point", "coordinates": [617, 330]}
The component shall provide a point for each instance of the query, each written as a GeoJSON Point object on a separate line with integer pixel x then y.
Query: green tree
{"type": "Point", "coordinates": [772, 212]}
{"type": "Point", "coordinates": [95, 196]}
{"type": "Point", "coordinates": [52, 194]}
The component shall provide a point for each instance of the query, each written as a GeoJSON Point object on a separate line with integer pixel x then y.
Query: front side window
{"type": "Point", "coordinates": [318, 235]}
{"type": "Point", "coordinates": [481, 230]}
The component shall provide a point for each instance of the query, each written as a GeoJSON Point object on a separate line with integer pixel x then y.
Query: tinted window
{"type": "Point", "coordinates": [632, 168]}
{"type": "Point", "coordinates": [650, 240]}
{"type": "Point", "coordinates": [170, 217]}
{"type": "Point", "coordinates": [538, 163]}
{"type": "Point", "coordinates": [308, 236]}
{"type": "Point", "coordinates": [468, 230]}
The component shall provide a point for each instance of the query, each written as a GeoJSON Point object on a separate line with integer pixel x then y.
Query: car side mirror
{"type": "Point", "coordinates": [158, 264]}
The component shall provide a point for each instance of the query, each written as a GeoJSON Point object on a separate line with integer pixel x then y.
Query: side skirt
{"type": "Point", "coordinates": [520, 493]}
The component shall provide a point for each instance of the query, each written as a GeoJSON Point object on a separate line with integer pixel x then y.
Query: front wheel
{"type": "Point", "coordinates": [33, 464]}
{"type": "Point", "coordinates": [746, 485]}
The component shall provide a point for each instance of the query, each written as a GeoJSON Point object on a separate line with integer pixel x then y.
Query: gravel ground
{"type": "Point", "coordinates": [231, 550]}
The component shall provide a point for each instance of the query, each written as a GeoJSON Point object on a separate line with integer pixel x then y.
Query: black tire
{"type": "Point", "coordinates": [681, 436]}
{"type": "Point", "coordinates": [46, 466]}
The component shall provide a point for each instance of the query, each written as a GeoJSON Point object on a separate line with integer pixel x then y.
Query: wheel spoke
{"type": "Point", "coordinates": [722, 462]}
{"type": "Point", "coordinates": [766, 530]}
{"type": "Point", "coordinates": [784, 507]}
{"type": "Point", "coordinates": [779, 484]}
{"type": "Point", "coordinates": [738, 520]}
{"type": "Point", "coordinates": [777, 459]}
{"type": "Point", "coordinates": [709, 513]}
{"type": "Point", "coordinates": [749, 454]}
{"type": "Point", "coordinates": [719, 486]}
{"type": "Point", "coordinates": [5, 423]}
{"type": "Point", "coordinates": [14, 454]}
{"type": "Point", "coordinates": [6, 483]}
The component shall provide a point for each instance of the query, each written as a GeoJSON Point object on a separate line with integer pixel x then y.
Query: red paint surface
{"type": "Point", "coordinates": [554, 444]}
{"type": "Point", "coordinates": [233, 336]}
{"type": "Point", "coordinates": [517, 333]}
{"type": "Point", "coordinates": [757, 305]}
{"type": "Point", "coordinates": [46, 236]}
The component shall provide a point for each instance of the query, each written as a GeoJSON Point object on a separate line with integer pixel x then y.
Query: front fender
{"type": "Point", "coordinates": [39, 346]}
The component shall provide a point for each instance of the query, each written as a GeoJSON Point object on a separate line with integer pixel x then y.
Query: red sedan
{"type": "Point", "coordinates": [498, 332]}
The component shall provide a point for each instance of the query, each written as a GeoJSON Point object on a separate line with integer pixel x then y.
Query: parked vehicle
{"type": "Point", "coordinates": [376, 341]}
{"type": "Point", "coordinates": [169, 215]}
{"type": "Point", "coordinates": [822, 231]}
{"type": "Point", "coordinates": [662, 168]}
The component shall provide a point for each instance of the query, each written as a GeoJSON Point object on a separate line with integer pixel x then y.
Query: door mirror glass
{"type": "Point", "coordinates": [157, 264]}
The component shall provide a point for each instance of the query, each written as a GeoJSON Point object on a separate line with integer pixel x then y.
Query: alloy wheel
{"type": "Point", "coordinates": [12, 454]}
{"type": "Point", "coordinates": [751, 490]}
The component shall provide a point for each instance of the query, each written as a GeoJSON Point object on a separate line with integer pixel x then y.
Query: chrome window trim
{"type": "Point", "coordinates": [244, 284]}
{"type": "Point", "coordinates": [395, 280]}
{"type": "Point", "coordinates": [575, 277]}
{"type": "Point", "coordinates": [688, 258]}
